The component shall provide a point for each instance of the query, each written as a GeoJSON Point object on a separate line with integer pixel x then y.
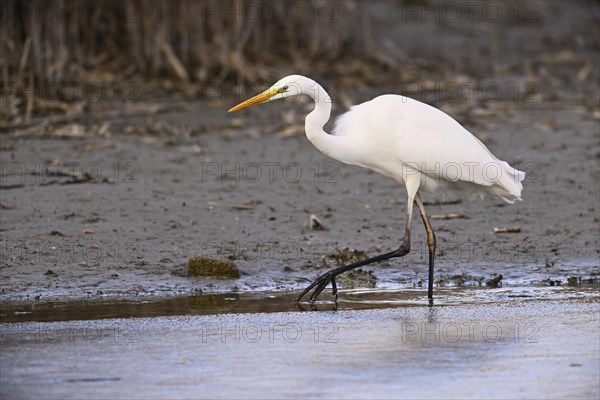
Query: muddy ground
{"type": "Point", "coordinates": [116, 202]}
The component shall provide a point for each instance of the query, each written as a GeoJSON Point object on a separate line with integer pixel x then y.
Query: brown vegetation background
{"type": "Point", "coordinates": [50, 43]}
{"type": "Point", "coordinates": [51, 50]}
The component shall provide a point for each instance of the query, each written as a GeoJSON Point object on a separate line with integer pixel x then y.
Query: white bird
{"type": "Point", "coordinates": [411, 142]}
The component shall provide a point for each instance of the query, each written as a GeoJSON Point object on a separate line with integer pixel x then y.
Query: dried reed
{"type": "Point", "coordinates": [56, 43]}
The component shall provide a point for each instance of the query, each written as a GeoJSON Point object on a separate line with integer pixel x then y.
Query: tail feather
{"type": "Point", "coordinates": [509, 186]}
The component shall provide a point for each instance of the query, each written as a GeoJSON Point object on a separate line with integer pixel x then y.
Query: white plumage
{"type": "Point", "coordinates": [416, 144]}
{"type": "Point", "coordinates": [412, 140]}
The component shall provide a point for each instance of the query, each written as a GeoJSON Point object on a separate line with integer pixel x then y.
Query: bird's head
{"type": "Point", "coordinates": [289, 86]}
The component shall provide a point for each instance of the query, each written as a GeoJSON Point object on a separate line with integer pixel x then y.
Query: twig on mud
{"type": "Point", "coordinates": [450, 216]}
{"type": "Point", "coordinates": [212, 204]}
{"type": "Point", "coordinates": [511, 229]}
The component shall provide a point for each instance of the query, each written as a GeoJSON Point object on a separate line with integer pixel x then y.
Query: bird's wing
{"type": "Point", "coordinates": [427, 139]}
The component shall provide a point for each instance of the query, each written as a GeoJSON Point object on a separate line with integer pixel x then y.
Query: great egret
{"type": "Point", "coordinates": [406, 140]}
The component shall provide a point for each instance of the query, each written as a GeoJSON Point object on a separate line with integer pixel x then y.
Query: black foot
{"type": "Point", "coordinates": [321, 282]}
{"type": "Point", "coordinates": [319, 285]}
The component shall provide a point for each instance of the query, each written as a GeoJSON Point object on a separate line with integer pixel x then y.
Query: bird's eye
{"type": "Point", "coordinates": [283, 89]}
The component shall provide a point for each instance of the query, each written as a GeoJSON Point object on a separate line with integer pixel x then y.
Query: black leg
{"type": "Point", "coordinates": [321, 282]}
{"type": "Point", "coordinates": [430, 243]}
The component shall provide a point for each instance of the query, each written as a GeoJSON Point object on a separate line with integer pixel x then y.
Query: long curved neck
{"type": "Point", "coordinates": [316, 120]}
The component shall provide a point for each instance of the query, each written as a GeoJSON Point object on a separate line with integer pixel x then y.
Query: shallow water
{"type": "Point", "coordinates": [269, 302]}
{"type": "Point", "coordinates": [499, 346]}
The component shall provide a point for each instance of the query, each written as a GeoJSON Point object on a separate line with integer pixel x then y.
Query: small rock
{"type": "Point", "coordinates": [357, 278]}
{"type": "Point", "coordinates": [316, 224]}
{"type": "Point", "coordinates": [341, 257]}
{"type": "Point", "coordinates": [494, 282]}
{"type": "Point", "coordinates": [573, 281]}
{"type": "Point", "coordinates": [211, 268]}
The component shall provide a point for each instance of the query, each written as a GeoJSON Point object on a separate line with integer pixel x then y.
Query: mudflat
{"type": "Point", "coordinates": [152, 202]}
{"type": "Point", "coordinates": [115, 202]}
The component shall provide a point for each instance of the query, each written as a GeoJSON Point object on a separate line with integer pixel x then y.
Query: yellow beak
{"type": "Point", "coordinates": [259, 98]}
